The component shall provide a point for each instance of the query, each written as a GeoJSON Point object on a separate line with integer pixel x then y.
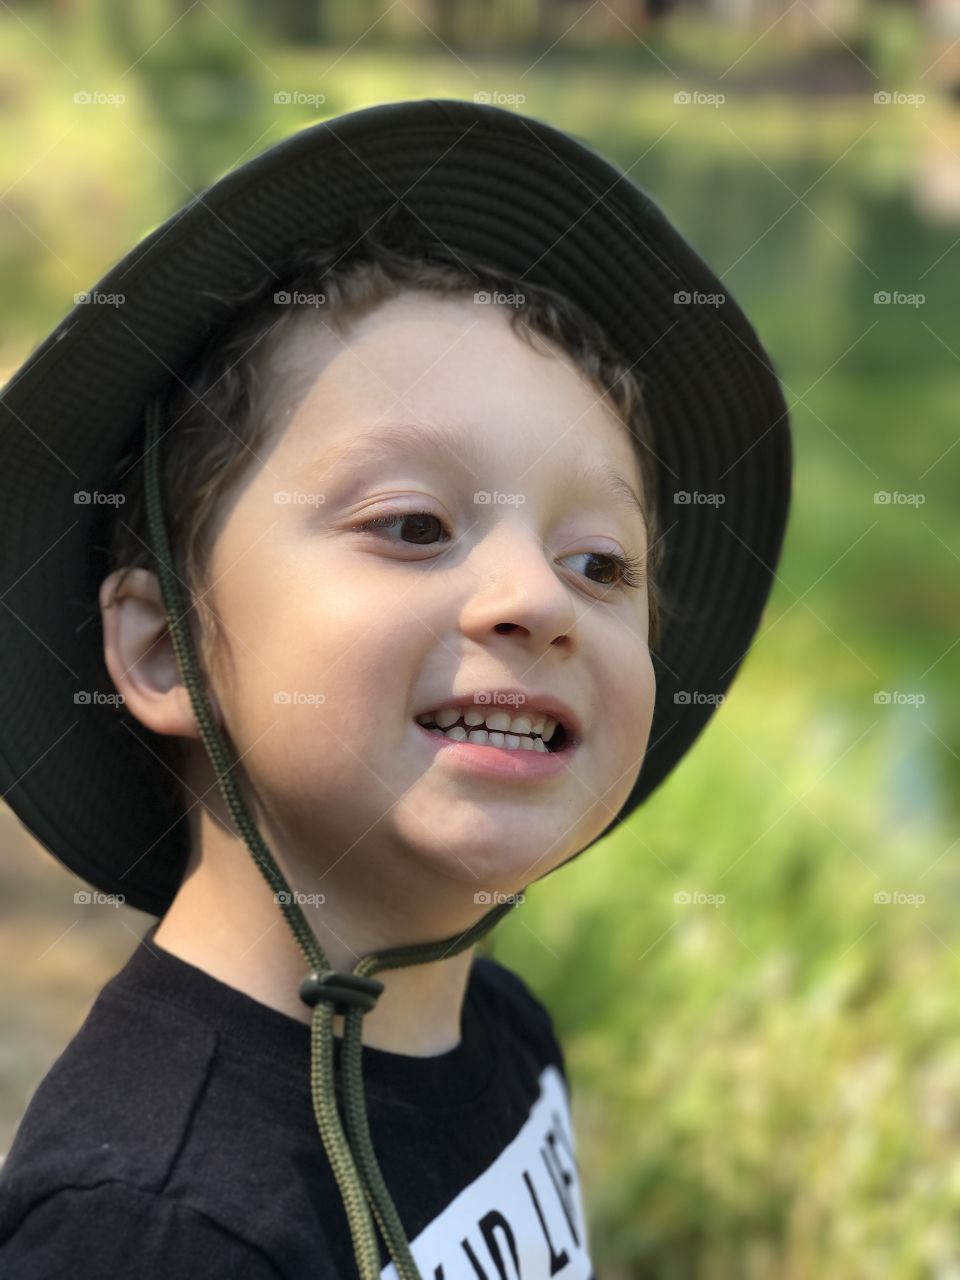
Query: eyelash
{"type": "Point", "coordinates": [631, 567]}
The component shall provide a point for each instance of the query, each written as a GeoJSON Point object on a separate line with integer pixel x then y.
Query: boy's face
{"type": "Point", "coordinates": [337, 638]}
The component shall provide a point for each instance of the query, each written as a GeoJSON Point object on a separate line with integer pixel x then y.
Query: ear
{"type": "Point", "coordinates": [140, 656]}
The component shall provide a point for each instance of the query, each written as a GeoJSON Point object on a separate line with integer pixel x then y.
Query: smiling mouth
{"type": "Point", "coordinates": [479, 735]}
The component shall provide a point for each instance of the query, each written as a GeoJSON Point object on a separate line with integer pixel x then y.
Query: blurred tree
{"type": "Point", "coordinates": [445, 19]}
{"type": "Point", "coordinates": [623, 18]}
{"type": "Point", "coordinates": [121, 29]}
{"type": "Point", "coordinates": [295, 21]}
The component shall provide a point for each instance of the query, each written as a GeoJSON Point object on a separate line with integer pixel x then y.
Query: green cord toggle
{"type": "Point", "coordinates": [347, 989]}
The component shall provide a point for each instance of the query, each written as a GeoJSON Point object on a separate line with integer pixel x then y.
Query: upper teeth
{"type": "Point", "coordinates": [498, 722]}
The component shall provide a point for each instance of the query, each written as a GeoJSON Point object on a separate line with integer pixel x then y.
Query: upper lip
{"type": "Point", "coordinates": [517, 702]}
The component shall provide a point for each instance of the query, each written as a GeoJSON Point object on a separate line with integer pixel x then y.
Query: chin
{"type": "Point", "coordinates": [489, 865]}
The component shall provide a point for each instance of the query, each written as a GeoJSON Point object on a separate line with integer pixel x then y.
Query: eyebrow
{"type": "Point", "coordinates": [462, 443]}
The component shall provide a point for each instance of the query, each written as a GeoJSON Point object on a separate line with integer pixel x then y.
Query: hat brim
{"type": "Point", "coordinates": [487, 181]}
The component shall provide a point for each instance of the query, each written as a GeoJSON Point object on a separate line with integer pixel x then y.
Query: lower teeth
{"type": "Point", "coordinates": [509, 742]}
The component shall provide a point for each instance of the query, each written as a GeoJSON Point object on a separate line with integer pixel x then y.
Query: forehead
{"type": "Point", "coordinates": [447, 379]}
{"type": "Point", "coordinates": [419, 349]}
{"type": "Point", "coordinates": [463, 445]}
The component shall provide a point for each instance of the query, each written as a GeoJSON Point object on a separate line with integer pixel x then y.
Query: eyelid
{"type": "Point", "coordinates": [425, 509]}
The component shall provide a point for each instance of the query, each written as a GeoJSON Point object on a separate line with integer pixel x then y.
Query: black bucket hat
{"type": "Point", "coordinates": [509, 189]}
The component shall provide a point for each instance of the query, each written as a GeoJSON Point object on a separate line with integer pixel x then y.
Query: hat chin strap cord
{"type": "Point", "coordinates": [325, 990]}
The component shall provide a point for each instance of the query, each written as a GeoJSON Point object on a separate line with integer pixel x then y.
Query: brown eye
{"type": "Point", "coordinates": [419, 524]}
{"type": "Point", "coordinates": [627, 570]}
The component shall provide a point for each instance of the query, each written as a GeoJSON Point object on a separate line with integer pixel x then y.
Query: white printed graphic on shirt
{"type": "Point", "coordinates": [522, 1218]}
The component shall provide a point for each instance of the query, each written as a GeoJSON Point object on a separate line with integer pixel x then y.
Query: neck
{"type": "Point", "coordinates": [229, 926]}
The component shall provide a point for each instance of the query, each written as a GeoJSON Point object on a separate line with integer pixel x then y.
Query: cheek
{"type": "Point", "coordinates": [643, 703]}
{"type": "Point", "coordinates": [337, 632]}
{"type": "Point", "coordinates": [627, 705]}
{"type": "Point", "coordinates": [628, 691]}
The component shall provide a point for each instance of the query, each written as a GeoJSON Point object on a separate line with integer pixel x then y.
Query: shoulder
{"type": "Point", "coordinates": [113, 1109]}
{"type": "Point", "coordinates": [126, 1233]}
{"type": "Point", "coordinates": [509, 986]}
{"type": "Point", "coordinates": [528, 1016]}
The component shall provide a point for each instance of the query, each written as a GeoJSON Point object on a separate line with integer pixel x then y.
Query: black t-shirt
{"type": "Point", "coordinates": [174, 1137]}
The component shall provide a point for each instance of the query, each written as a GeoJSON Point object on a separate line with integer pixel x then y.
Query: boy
{"type": "Point", "coordinates": [445, 508]}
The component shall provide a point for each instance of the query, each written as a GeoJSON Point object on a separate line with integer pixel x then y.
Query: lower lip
{"type": "Point", "coordinates": [499, 762]}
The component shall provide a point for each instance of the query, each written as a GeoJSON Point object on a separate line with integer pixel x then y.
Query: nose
{"type": "Point", "coordinates": [519, 591]}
